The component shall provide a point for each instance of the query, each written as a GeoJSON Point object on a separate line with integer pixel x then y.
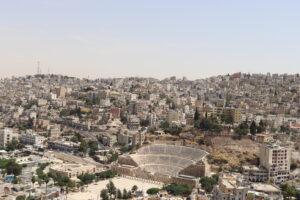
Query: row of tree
{"type": "Point", "coordinates": [111, 192]}
{"type": "Point", "coordinates": [86, 147]}
{"type": "Point", "coordinates": [178, 189]}
{"type": "Point", "coordinates": [9, 166]}
{"type": "Point", "coordinates": [208, 123]}
{"type": "Point", "coordinates": [211, 123]}
{"type": "Point", "coordinates": [173, 130]}
{"type": "Point", "coordinates": [173, 189]}
{"type": "Point", "coordinates": [89, 178]}
{"type": "Point", "coordinates": [244, 128]}
{"type": "Point", "coordinates": [14, 145]}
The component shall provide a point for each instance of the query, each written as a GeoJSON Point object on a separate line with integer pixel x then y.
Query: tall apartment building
{"type": "Point", "coordinates": [173, 116]}
{"type": "Point", "coordinates": [138, 139]}
{"type": "Point", "coordinates": [276, 159]}
{"type": "Point", "coordinates": [207, 110]}
{"type": "Point", "coordinates": [109, 140]}
{"type": "Point", "coordinates": [234, 113]}
{"type": "Point", "coordinates": [54, 132]}
{"type": "Point", "coordinates": [132, 138]}
{"type": "Point", "coordinates": [94, 97]}
{"type": "Point", "coordinates": [61, 92]}
{"type": "Point", "coordinates": [133, 122]}
{"type": "Point", "coordinates": [6, 136]}
{"type": "Point", "coordinates": [176, 117]}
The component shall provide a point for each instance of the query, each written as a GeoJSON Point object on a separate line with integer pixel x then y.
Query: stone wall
{"type": "Point", "coordinates": [196, 170]}
{"type": "Point", "coordinates": [137, 172]}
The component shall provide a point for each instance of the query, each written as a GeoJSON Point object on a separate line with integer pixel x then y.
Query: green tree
{"type": "Point", "coordinates": [30, 123]}
{"type": "Point", "coordinates": [293, 166]}
{"type": "Point", "coordinates": [178, 189]}
{"type": "Point", "coordinates": [208, 124]}
{"type": "Point", "coordinates": [164, 125]}
{"type": "Point", "coordinates": [33, 180]}
{"type": "Point", "coordinates": [129, 195]}
{"type": "Point", "coordinates": [13, 145]}
{"type": "Point", "coordinates": [119, 194]}
{"type": "Point", "coordinates": [46, 180]}
{"type": "Point", "coordinates": [124, 196]}
{"type": "Point", "coordinates": [114, 156]}
{"type": "Point", "coordinates": [111, 188]}
{"type": "Point", "coordinates": [152, 191]}
{"type": "Point", "coordinates": [74, 139]}
{"type": "Point", "coordinates": [64, 113]}
{"type": "Point", "coordinates": [23, 197]}
{"type": "Point", "coordinates": [228, 119]}
{"type": "Point", "coordinates": [285, 129]}
{"type": "Point", "coordinates": [145, 123]}
{"type": "Point", "coordinates": [228, 100]}
{"type": "Point", "coordinates": [242, 129]}
{"type": "Point", "coordinates": [71, 184]}
{"type": "Point", "coordinates": [86, 178]}
{"type": "Point", "coordinates": [61, 180]}
{"type": "Point", "coordinates": [262, 127]}
{"type": "Point", "coordinates": [40, 181]}
{"type": "Point", "coordinates": [13, 168]}
{"type": "Point", "coordinates": [288, 191]}
{"type": "Point", "coordinates": [207, 183]}
{"type": "Point", "coordinates": [83, 147]}
{"type": "Point", "coordinates": [253, 128]}
{"type": "Point", "coordinates": [104, 194]}
{"type": "Point", "coordinates": [196, 115]}
{"type": "Point", "coordinates": [134, 188]}
{"type": "Point", "coordinates": [93, 145]}
{"type": "Point", "coordinates": [106, 174]}
{"type": "Point", "coordinates": [16, 180]}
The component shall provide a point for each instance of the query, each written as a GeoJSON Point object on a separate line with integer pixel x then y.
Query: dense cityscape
{"type": "Point", "coordinates": [233, 136]}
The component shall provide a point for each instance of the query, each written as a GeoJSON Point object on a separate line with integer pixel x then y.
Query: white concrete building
{"type": "Point", "coordinates": [276, 159]}
{"type": "Point", "coordinates": [230, 187]}
{"type": "Point", "coordinates": [33, 139]}
{"type": "Point", "coordinates": [6, 136]}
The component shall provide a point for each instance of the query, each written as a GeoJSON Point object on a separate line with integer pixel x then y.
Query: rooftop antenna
{"type": "Point", "coordinates": [38, 67]}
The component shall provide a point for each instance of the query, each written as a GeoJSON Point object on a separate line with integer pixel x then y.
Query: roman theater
{"type": "Point", "coordinates": [164, 163]}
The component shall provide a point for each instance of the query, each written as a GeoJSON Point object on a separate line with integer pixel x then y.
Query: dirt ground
{"type": "Point", "coordinates": [227, 153]}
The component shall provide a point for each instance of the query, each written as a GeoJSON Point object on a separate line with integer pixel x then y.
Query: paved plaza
{"type": "Point", "coordinates": [92, 192]}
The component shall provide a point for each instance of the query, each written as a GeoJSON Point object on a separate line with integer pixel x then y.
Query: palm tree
{"type": "Point", "coordinates": [40, 182]}
{"type": "Point", "coordinates": [32, 181]}
{"type": "Point", "coordinates": [46, 179]}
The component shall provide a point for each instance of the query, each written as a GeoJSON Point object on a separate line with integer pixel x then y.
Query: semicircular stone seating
{"type": "Point", "coordinates": [167, 159]}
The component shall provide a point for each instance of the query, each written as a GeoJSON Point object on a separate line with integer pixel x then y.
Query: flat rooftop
{"type": "Point", "coordinates": [265, 187]}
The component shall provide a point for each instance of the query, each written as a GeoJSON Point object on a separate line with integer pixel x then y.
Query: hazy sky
{"type": "Point", "coordinates": [156, 38]}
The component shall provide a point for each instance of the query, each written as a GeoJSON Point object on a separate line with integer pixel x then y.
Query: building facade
{"type": "Point", "coordinates": [32, 139]}
{"type": "Point", "coordinates": [6, 136]}
{"type": "Point", "coordinates": [230, 187]}
{"type": "Point", "coordinates": [276, 159]}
